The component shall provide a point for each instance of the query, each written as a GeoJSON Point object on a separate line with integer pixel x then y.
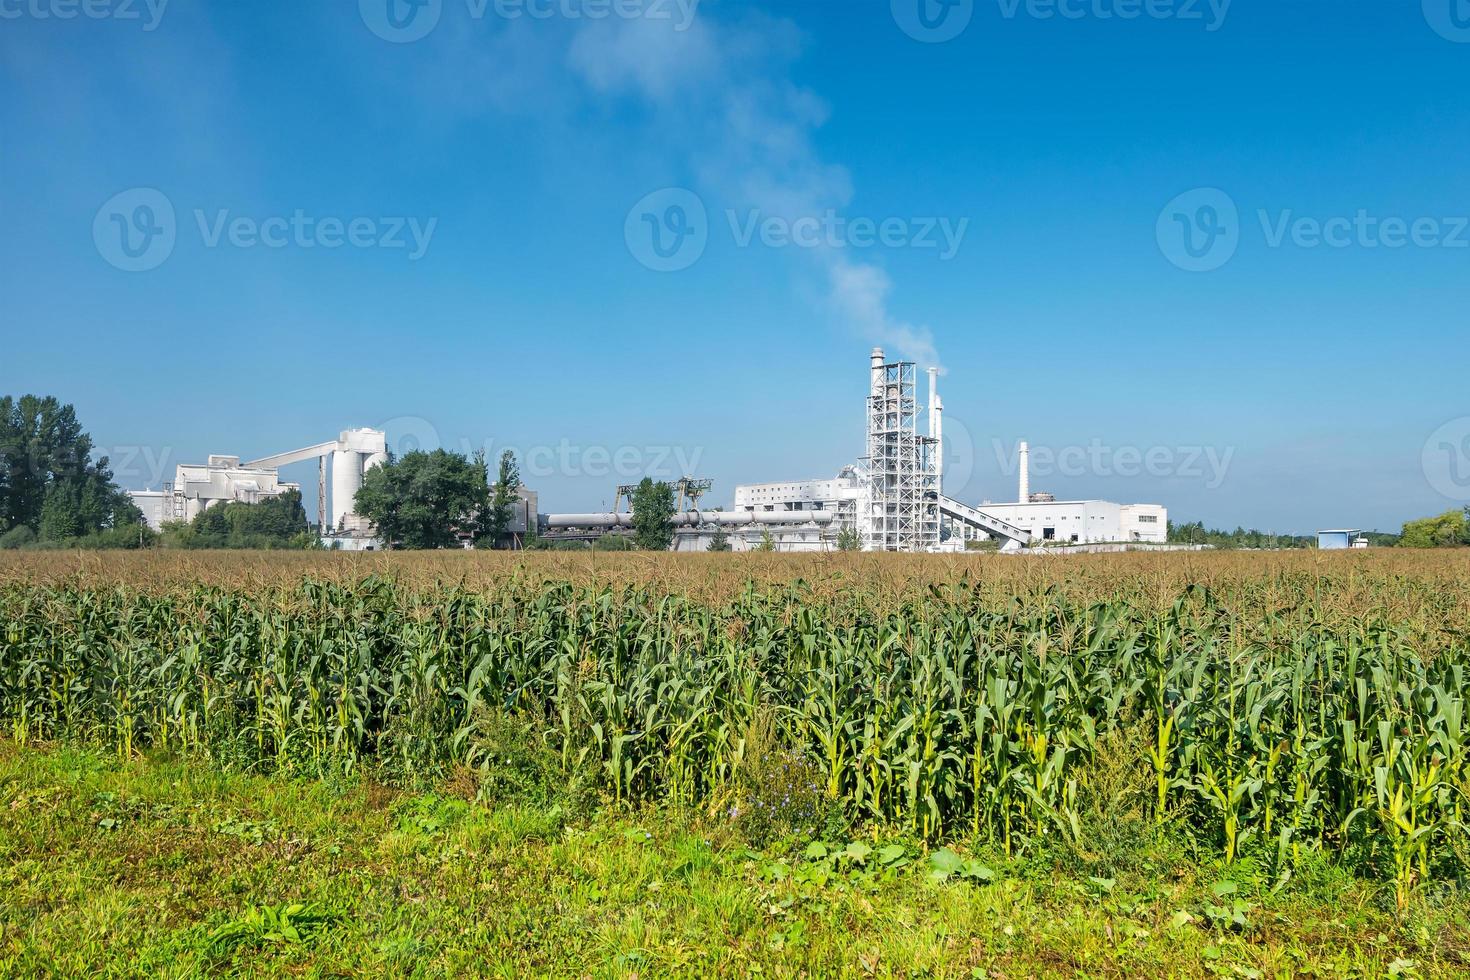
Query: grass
{"type": "Point", "coordinates": [165, 866]}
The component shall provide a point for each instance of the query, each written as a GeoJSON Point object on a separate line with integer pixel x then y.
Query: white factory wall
{"type": "Point", "coordinates": [1085, 521]}
{"type": "Point", "coordinates": [796, 495]}
{"type": "Point", "coordinates": [1070, 521]}
{"type": "Point", "coordinates": [800, 495]}
{"type": "Point", "coordinates": [1145, 522]}
{"type": "Point", "coordinates": [157, 506]}
{"type": "Point", "coordinates": [198, 486]}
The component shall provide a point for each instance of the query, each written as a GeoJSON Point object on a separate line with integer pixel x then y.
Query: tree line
{"type": "Point", "coordinates": [52, 492]}
{"type": "Point", "coordinates": [1448, 530]}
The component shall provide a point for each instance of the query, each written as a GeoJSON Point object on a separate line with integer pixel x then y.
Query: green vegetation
{"type": "Point", "coordinates": [1196, 533]}
{"type": "Point", "coordinates": [653, 515]}
{"type": "Point", "coordinates": [952, 717]}
{"type": "Point", "coordinates": [682, 765]}
{"type": "Point", "coordinates": [720, 541]}
{"type": "Point", "coordinates": [848, 539]}
{"type": "Point", "coordinates": [275, 522]}
{"type": "Point", "coordinates": [163, 866]}
{"type": "Point", "coordinates": [1448, 530]}
{"type": "Point", "coordinates": [425, 500]}
{"type": "Point", "coordinates": [503, 497]}
{"type": "Point", "coordinates": [52, 493]}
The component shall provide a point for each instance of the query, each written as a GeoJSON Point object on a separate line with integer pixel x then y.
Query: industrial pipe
{"type": "Point", "coordinates": [696, 518]}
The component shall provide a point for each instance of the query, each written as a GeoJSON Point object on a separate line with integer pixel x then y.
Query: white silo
{"type": "Point", "coordinates": [346, 481]}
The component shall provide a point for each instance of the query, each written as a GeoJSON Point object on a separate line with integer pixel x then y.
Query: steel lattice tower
{"type": "Point", "coordinates": [902, 509]}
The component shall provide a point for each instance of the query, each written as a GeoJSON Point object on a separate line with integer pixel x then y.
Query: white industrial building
{"type": "Point", "coordinates": [225, 478]}
{"type": "Point", "coordinates": [1086, 521]}
{"type": "Point", "coordinates": [895, 497]}
{"type": "Point", "coordinates": [197, 486]}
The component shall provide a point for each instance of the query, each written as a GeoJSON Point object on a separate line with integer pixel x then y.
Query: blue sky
{"type": "Point", "coordinates": [1292, 384]}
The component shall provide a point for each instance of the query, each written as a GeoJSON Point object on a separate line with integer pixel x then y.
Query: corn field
{"type": "Point", "coordinates": [1269, 718]}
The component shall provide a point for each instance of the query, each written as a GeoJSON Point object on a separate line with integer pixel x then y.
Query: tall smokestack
{"type": "Point", "coordinates": [933, 399]}
{"type": "Point", "coordinates": [877, 366]}
{"type": "Point", "coordinates": [936, 428]}
{"type": "Point", "coordinates": [1025, 474]}
{"type": "Point", "coordinates": [939, 444]}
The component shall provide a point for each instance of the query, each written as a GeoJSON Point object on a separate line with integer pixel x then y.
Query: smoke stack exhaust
{"type": "Point", "coordinates": [936, 428]}
{"type": "Point", "coordinates": [1025, 474]}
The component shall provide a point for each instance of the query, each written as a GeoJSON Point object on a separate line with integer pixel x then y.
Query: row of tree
{"type": "Point", "coordinates": [51, 490]}
{"type": "Point", "coordinates": [1449, 530]}
{"type": "Point", "coordinates": [1195, 532]}
{"type": "Point", "coordinates": [440, 499]}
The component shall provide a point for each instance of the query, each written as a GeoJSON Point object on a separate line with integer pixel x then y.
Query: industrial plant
{"type": "Point", "coordinates": [890, 499]}
{"type": "Point", "coordinates": [225, 478]}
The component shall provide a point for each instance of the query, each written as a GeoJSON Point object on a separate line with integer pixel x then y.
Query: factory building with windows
{"type": "Point", "coordinates": [895, 498]}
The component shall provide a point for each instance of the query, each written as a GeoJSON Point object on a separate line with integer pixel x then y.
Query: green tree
{"type": "Point", "coordinates": [423, 499]}
{"type": "Point", "coordinates": [17, 537]}
{"type": "Point", "coordinates": [848, 539]}
{"type": "Point", "coordinates": [653, 515]}
{"type": "Point", "coordinates": [720, 541]}
{"type": "Point", "coordinates": [503, 498]}
{"type": "Point", "coordinates": [48, 479]}
{"type": "Point", "coordinates": [1448, 530]}
{"type": "Point", "coordinates": [768, 543]}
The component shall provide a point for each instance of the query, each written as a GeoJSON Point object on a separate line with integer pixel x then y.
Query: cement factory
{"type": "Point", "coordinates": [891, 499]}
